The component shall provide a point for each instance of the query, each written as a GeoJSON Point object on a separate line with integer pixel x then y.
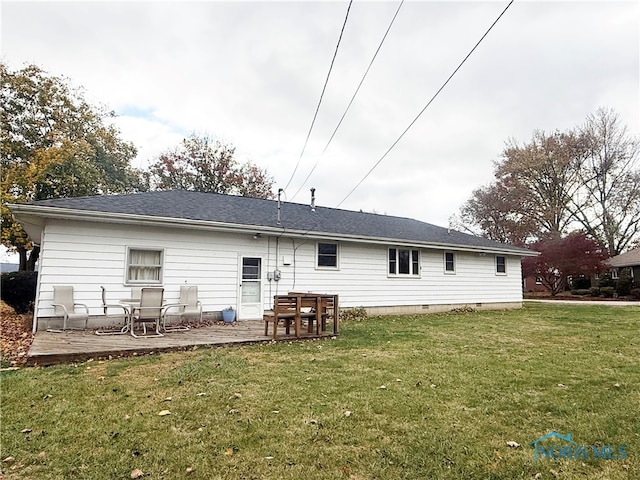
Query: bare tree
{"type": "Point", "coordinates": [607, 202]}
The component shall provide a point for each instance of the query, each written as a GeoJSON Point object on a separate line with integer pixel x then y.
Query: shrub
{"type": "Point", "coordinates": [581, 283]}
{"type": "Point", "coordinates": [357, 314]}
{"type": "Point", "coordinates": [594, 291]}
{"type": "Point", "coordinates": [605, 280]}
{"type": "Point", "coordinates": [635, 293]}
{"type": "Point", "coordinates": [607, 292]}
{"type": "Point", "coordinates": [625, 282]}
{"type": "Point", "coordinates": [581, 292]}
{"type": "Point", "coordinates": [19, 290]}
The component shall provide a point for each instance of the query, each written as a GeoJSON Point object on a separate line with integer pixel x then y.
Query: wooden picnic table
{"type": "Point", "coordinates": [293, 308]}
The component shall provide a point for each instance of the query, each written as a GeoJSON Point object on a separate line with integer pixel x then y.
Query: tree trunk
{"type": "Point", "coordinates": [33, 258]}
{"type": "Point", "coordinates": [22, 253]}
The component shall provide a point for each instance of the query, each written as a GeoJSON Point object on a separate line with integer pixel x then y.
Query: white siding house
{"type": "Point", "coordinates": [241, 251]}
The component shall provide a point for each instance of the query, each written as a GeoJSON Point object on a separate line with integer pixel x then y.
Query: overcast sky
{"type": "Point", "coordinates": [251, 74]}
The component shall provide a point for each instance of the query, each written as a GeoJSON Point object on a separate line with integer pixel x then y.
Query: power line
{"type": "Point", "coordinates": [321, 95]}
{"type": "Point", "coordinates": [426, 106]}
{"type": "Point", "coordinates": [352, 98]}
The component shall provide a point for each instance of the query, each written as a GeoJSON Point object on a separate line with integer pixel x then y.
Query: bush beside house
{"type": "Point", "coordinates": [19, 290]}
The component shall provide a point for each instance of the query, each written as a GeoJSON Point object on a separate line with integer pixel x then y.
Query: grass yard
{"type": "Point", "coordinates": [434, 396]}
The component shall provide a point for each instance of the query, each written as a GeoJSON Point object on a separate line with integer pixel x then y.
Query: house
{"type": "Point", "coordinates": [242, 251]}
{"type": "Point", "coordinates": [630, 260]}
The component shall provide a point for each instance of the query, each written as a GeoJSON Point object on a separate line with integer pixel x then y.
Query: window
{"type": "Point", "coordinates": [403, 261]}
{"type": "Point", "coordinates": [449, 262]}
{"type": "Point", "coordinates": [538, 280]}
{"type": "Point", "coordinates": [501, 264]}
{"type": "Point", "coordinates": [328, 255]}
{"type": "Point", "coordinates": [144, 266]}
{"type": "Point", "coordinates": [614, 274]}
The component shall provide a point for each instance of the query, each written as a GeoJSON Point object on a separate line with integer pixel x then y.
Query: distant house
{"type": "Point", "coordinates": [241, 251]}
{"type": "Point", "coordinates": [631, 260]}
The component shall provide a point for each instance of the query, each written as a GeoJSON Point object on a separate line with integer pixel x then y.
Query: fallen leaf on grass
{"type": "Point", "coordinates": [26, 430]}
{"type": "Point", "coordinates": [554, 473]}
{"type": "Point", "coordinates": [513, 444]}
{"type": "Point", "coordinates": [9, 459]}
{"type": "Point", "coordinates": [163, 413]}
{"type": "Point", "coordinates": [382, 387]}
{"type": "Point", "coordinates": [202, 394]}
{"type": "Point", "coordinates": [190, 470]}
{"type": "Point", "coordinates": [561, 385]}
{"type": "Point", "coordinates": [228, 451]}
{"type": "Point", "coordinates": [347, 413]}
{"type": "Point", "coordinates": [168, 399]}
{"type": "Point", "coordinates": [137, 473]}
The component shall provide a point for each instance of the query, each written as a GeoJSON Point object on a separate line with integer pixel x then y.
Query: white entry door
{"type": "Point", "coordinates": [251, 289]}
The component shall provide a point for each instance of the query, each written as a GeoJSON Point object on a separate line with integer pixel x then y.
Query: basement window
{"type": "Point", "coordinates": [144, 266]}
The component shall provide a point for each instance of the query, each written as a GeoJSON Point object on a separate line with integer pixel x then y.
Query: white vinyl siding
{"type": "Point", "coordinates": [87, 255]}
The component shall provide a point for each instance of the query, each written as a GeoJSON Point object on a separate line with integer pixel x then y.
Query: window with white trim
{"type": "Point", "coordinates": [501, 265]}
{"type": "Point", "coordinates": [614, 274]}
{"type": "Point", "coordinates": [327, 255]}
{"type": "Point", "coordinates": [449, 262]}
{"type": "Point", "coordinates": [404, 261]}
{"type": "Point", "coordinates": [144, 265]}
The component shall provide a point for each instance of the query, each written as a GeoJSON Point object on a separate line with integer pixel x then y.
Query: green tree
{"type": "Point", "coordinates": [53, 143]}
{"type": "Point", "coordinates": [203, 165]}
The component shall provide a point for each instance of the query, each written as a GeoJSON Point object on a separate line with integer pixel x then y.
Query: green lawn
{"type": "Point", "coordinates": [434, 396]}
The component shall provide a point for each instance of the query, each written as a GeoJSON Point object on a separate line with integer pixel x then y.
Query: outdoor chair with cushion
{"type": "Point", "coordinates": [149, 310]}
{"type": "Point", "coordinates": [65, 307]}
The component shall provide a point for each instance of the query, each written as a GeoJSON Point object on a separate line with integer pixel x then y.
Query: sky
{"type": "Point", "coordinates": [251, 74]}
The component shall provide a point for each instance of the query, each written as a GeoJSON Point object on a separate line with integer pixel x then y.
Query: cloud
{"type": "Point", "coordinates": [250, 73]}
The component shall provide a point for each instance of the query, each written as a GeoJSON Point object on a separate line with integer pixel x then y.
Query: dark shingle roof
{"type": "Point", "coordinates": [212, 207]}
{"type": "Point", "coordinates": [627, 259]}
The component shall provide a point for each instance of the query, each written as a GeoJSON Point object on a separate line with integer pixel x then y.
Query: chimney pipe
{"type": "Point", "coordinates": [313, 199]}
{"type": "Point", "coordinates": [279, 192]}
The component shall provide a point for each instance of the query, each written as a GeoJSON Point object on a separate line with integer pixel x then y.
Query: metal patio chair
{"type": "Point", "coordinates": [122, 315]}
{"type": "Point", "coordinates": [149, 310]}
{"type": "Point", "coordinates": [188, 306]}
{"type": "Point", "coordinates": [65, 306]}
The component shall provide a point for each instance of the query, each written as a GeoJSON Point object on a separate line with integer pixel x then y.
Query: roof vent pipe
{"type": "Point", "coordinates": [279, 192]}
{"type": "Point", "coordinates": [313, 199]}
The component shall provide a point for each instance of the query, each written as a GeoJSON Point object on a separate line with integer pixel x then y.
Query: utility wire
{"type": "Point", "coordinates": [352, 99]}
{"type": "Point", "coordinates": [321, 95]}
{"type": "Point", "coordinates": [426, 106]}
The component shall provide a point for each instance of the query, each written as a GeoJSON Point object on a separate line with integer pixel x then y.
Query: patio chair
{"type": "Point", "coordinates": [187, 306]}
{"type": "Point", "coordinates": [64, 306]}
{"type": "Point", "coordinates": [149, 310]}
{"type": "Point", "coordinates": [121, 314]}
